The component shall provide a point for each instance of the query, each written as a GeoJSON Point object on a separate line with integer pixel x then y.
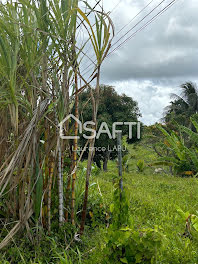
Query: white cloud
{"type": "Point", "coordinates": [159, 59]}
{"type": "Point", "coordinates": [151, 97]}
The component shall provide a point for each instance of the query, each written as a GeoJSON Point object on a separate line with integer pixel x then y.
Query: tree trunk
{"type": "Point", "coordinates": [106, 159]}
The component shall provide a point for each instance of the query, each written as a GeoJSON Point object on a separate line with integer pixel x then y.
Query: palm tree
{"type": "Point", "coordinates": [183, 106]}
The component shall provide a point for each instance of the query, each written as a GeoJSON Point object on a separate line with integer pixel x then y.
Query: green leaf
{"type": "Point", "coordinates": [111, 208]}
{"type": "Point", "coordinates": [124, 260]}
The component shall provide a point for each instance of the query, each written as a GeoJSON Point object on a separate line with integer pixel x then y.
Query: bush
{"type": "Point", "coordinates": [126, 244]}
{"type": "Point", "coordinates": [140, 165]}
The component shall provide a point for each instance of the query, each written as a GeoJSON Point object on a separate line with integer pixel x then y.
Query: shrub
{"type": "Point", "coordinates": [140, 165]}
{"type": "Point", "coordinates": [126, 244]}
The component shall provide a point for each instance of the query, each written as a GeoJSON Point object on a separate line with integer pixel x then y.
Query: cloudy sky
{"type": "Point", "coordinates": [158, 59]}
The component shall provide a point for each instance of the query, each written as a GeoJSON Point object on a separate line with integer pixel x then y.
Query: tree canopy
{"type": "Point", "coordinates": [113, 108]}
{"type": "Point", "coordinates": [183, 106]}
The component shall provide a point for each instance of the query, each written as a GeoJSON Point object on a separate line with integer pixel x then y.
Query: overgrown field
{"type": "Point", "coordinates": [154, 201]}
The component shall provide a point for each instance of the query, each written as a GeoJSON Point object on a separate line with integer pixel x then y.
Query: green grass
{"type": "Point", "coordinates": [154, 200]}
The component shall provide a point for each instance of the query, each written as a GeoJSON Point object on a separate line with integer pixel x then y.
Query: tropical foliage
{"type": "Point", "coordinates": [184, 106]}
{"type": "Point", "coordinates": [40, 81]}
{"type": "Point", "coordinates": [180, 152]}
{"type": "Point", "coordinates": [113, 108]}
{"type": "Point", "coordinates": [51, 194]}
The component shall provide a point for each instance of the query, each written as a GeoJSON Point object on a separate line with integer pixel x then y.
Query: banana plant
{"type": "Point", "coordinates": [193, 136]}
{"type": "Point", "coordinates": [183, 159]}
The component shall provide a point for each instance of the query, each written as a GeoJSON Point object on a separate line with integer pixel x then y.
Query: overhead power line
{"type": "Point", "coordinates": [135, 16]}
{"type": "Point", "coordinates": [133, 26]}
{"type": "Point", "coordinates": [124, 25]}
{"type": "Point", "coordinates": [112, 10]}
{"type": "Point", "coordinates": [145, 25]}
{"type": "Point", "coordinates": [140, 29]}
{"type": "Point", "coordinates": [139, 22]}
{"type": "Point", "coordinates": [89, 12]}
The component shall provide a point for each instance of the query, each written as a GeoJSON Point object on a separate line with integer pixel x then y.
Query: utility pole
{"type": "Point", "coordinates": [119, 146]}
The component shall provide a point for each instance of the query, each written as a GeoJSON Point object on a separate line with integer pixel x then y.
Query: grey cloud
{"type": "Point", "coordinates": [166, 49]}
{"type": "Point", "coordinates": [158, 59]}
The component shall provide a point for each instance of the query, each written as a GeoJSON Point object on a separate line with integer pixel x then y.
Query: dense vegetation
{"type": "Point", "coordinates": [155, 201]}
{"type": "Point", "coordinates": [113, 108]}
{"type": "Point", "coordinates": [56, 204]}
{"type": "Point", "coordinates": [183, 106]}
{"type": "Point", "coordinates": [40, 82]}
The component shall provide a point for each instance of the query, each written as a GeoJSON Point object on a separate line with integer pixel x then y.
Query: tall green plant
{"type": "Point", "coordinates": [182, 158]}
{"type": "Point", "coordinates": [125, 243]}
{"type": "Point", "coordinates": [101, 42]}
{"type": "Point", "coordinates": [9, 60]}
{"type": "Point", "coordinates": [39, 67]}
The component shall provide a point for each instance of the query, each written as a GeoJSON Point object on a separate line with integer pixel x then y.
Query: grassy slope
{"type": "Point", "coordinates": [154, 200]}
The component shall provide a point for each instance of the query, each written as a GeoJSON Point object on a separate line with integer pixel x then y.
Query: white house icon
{"type": "Point", "coordinates": [60, 125]}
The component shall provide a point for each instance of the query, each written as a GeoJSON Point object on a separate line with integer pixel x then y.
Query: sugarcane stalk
{"type": "Point", "coordinates": [60, 182]}
{"type": "Point", "coordinates": [62, 170]}
{"type": "Point", "coordinates": [45, 180]}
{"type": "Point", "coordinates": [74, 154]}
{"type": "Point", "coordinates": [39, 186]}
{"type": "Point", "coordinates": [89, 163]}
{"type": "Point", "coordinates": [60, 185]}
{"type": "Point", "coordinates": [67, 197]}
{"type": "Point", "coordinates": [51, 172]}
{"type": "Point", "coordinates": [95, 104]}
